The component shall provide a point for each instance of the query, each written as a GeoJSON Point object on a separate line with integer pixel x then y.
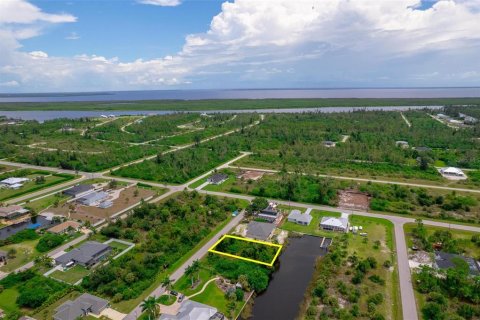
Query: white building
{"type": "Point", "coordinates": [297, 217]}
{"type": "Point", "coordinates": [13, 183]}
{"type": "Point", "coordinates": [453, 173]}
{"type": "Point", "coordinates": [334, 224]}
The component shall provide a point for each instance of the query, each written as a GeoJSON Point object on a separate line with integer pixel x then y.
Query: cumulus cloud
{"type": "Point", "coordinates": [281, 43]}
{"type": "Point", "coordinates": [72, 36]}
{"type": "Point", "coordinates": [161, 3]}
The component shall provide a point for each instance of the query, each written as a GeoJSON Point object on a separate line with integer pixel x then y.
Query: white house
{"type": "Point", "coordinates": [453, 173]}
{"type": "Point", "coordinates": [334, 224]}
{"type": "Point", "coordinates": [13, 183]}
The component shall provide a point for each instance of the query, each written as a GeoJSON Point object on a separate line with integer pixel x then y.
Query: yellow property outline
{"type": "Point", "coordinates": [212, 249]}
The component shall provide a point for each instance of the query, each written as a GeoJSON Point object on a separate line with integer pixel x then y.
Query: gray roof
{"type": "Point", "coordinates": [259, 230]}
{"type": "Point", "coordinates": [72, 310]}
{"type": "Point", "coordinates": [218, 177]}
{"type": "Point", "coordinates": [423, 149]}
{"type": "Point", "coordinates": [334, 222]}
{"type": "Point", "coordinates": [93, 197]}
{"type": "Point", "coordinates": [446, 260]}
{"type": "Point", "coordinates": [270, 210]}
{"type": "Point", "coordinates": [78, 189]}
{"type": "Point", "coordinates": [83, 254]}
{"type": "Point", "coordinates": [298, 216]}
{"type": "Point", "coordinates": [191, 310]}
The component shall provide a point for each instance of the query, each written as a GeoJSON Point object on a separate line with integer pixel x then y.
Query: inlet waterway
{"type": "Point", "coordinates": [282, 299]}
{"type": "Point", "coordinates": [75, 114]}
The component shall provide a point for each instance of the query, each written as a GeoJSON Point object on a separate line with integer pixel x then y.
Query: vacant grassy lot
{"type": "Point", "coordinates": [25, 252]}
{"type": "Point", "coordinates": [71, 275]}
{"type": "Point", "coordinates": [8, 298]}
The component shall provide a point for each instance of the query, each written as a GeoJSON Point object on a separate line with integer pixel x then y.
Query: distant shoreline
{"type": "Point", "coordinates": [231, 104]}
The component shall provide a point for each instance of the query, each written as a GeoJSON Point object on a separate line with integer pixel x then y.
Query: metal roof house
{"type": "Point", "coordinates": [13, 183]}
{"type": "Point", "coordinates": [297, 217]}
{"type": "Point", "coordinates": [79, 190]}
{"type": "Point", "coordinates": [80, 307]}
{"type": "Point", "coordinates": [334, 224]}
{"type": "Point", "coordinates": [217, 178]}
{"type": "Point", "coordinates": [192, 310]}
{"type": "Point", "coordinates": [259, 230]}
{"type": "Point", "coordinates": [93, 198]}
{"type": "Point", "coordinates": [451, 171]}
{"type": "Point", "coordinates": [87, 255]}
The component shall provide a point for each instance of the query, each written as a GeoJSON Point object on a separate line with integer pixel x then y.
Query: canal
{"type": "Point", "coordinates": [282, 299]}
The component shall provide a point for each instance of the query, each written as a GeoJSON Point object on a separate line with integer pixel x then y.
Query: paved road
{"type": "Point", "coordinates": [50, 254]}
{"type": "Point", "coordinates": [409, 184]}
{"type": "Point", "coordinates": [177, 274]}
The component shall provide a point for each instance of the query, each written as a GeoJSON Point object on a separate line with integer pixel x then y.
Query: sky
{"type": "Point", "coordinates": [88, 45]}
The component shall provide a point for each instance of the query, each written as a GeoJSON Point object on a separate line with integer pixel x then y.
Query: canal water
{"type": "Point", "coordinates": [282, 299]}
{"type": "Point", "coordinates": [75, 114]}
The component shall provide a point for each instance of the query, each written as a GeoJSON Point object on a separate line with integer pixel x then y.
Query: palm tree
{"type": "Point", "coordinates": [167, 283]}
{"type": "Point", "coordinates": [151, 307]}
{"type": "Point", "coordinates": [196, 267]}
{"type": "Point", "coordinates": [189, 271]}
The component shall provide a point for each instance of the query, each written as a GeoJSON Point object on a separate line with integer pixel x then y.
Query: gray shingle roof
{"type": "Point", "coordinates": [83, 254]}
{"type": "Point", "coordinates": [218, 177]}
{"type": "Point", "coordinates": [259, 230]}
{"type": "Point", "coordinates": [298, 216]}
{"type": "Point", "coordinates": [72, 310]}
{"type": "Point", "coordinates": [78, 189]}
{"type": "Point", "coordinates": [192, 310]}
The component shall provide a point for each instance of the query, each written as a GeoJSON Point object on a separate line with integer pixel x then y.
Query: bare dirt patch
{"type": "Point", "coordinates": [125, 199]}
{"type": "Point", "coordinates": [353, 199]}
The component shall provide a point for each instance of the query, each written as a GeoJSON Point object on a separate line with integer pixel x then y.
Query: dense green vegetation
{"type": "Point", "coordinates": [163, 233]}
{"type": "Point", "coordinates": [50, 241]}
{"type": "Point", "coordinates": [246, 249]}
{"type": "Point", "coordinates": [33, 289]}
{"type": "Point", "coordinates": [183, 165]}
{"type": "Point", "coordinates": [234, 104]}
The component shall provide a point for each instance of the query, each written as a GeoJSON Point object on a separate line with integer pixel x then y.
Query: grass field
{"type": "Point", "coordinates": [215, 297]}
{"type": "Point", "coordinates": [71, 275]}
{"type": "Point", "coordinates": [167, 299]}
{"type": "Point", "coordinates": [26, 252]}
{"type": "Point", "coordinates": [8, 299]}
{"type": "Point", "coordinates": [184, 284]}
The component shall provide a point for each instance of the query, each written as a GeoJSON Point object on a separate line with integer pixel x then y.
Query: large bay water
{"type": "Point", "coordinates": [75, 114]}
{"type": "Point", "coordinates": [243, 94]}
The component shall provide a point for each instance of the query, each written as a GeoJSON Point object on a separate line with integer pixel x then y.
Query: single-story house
{"type": "Point", "coordinates": [329, 144]}
{"type": "Point", "coordinates": [297, 217]}
{"type": "Point", "coordinates": [93, 198]}
{"type": "Point", "coordinates": [80, 307]}
{"type": "Point", "coordinates": [79, 190]}
{"type": "Point", "coordinates": [444, 260]}
{"type": "Point", "coordinates": [217, 178]}
{"type": "Point", "coordinates": [192, 310]}
{"type": "Point", "coordinates": [3, 258]}
{"type": "Point", "coordinates": [334, 224]}
{"type": "Point", "coordinates": [470, 120]}
{"type": "Point", "coordinates": [402, 144]}
{"type": "Point", "coordinates": [13, 212]}
{"type": "Point", "coordinates": [270, 213]}
{"type": "Point", "coordinates": [259, 230]}
{"type": "Point", "coordinates": [451, 171]}
{"type": "Point", "coordinates": [65, 227]}
{"type": "Point", "coordinates": [87, 255]}
{"type": "Point", "coordinates": [13, 183]}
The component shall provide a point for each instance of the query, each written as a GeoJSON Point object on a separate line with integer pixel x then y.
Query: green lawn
{"type": "Point", "coordinates": [215, 297]}
{"type": "Point", "coordinates": [71, 275]}
{"type": "Point", "coordinates": [26, 252]}
{"type": "Point", "coordinates": [197, 183]}
{"type": "Point", "coordinates": [31, 186]}
{"type": "Point", "coordinates": [118, 246]}
{"type": "Point", "coordinates": [313, 228]}
{"type": "Point", "coordinates": [184, 284]}
{"type": "Point", "coordinates": [44, 203]}
{"type": "Point", "coordinates": [226, 185]}
{"type": "Point", "coordinates": [167, 299]}
{"type": "Point", "coordinates": [8, 298]}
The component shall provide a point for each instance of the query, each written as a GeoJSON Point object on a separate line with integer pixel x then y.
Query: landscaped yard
{"type": "Point", "coordinates": [314, 227]}
{"type": "Point", "coordinates": [184, 284]}
{"type": "Point", "coordinates": [167, 299]}
{"type": "Point", "coordinates": [215, 297]}
{"type": "Point", "coordinates": [38, 180]}
{"type": "Point", "coordinates": [72, 275]}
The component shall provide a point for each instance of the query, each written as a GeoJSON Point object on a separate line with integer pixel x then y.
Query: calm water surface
{"type": "Point", "coordinates": [71, 114]}
{"type": "Point", "coordinates": [285, 292]}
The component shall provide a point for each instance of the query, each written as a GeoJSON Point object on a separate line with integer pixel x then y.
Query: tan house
{"type": "Point", "coordinates": [65, 227]}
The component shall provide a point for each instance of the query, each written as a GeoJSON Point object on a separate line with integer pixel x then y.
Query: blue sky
{"type": "Point", "coordinates": [122, 28]}
{"type": "Point", "coordinates": [97, 45]}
